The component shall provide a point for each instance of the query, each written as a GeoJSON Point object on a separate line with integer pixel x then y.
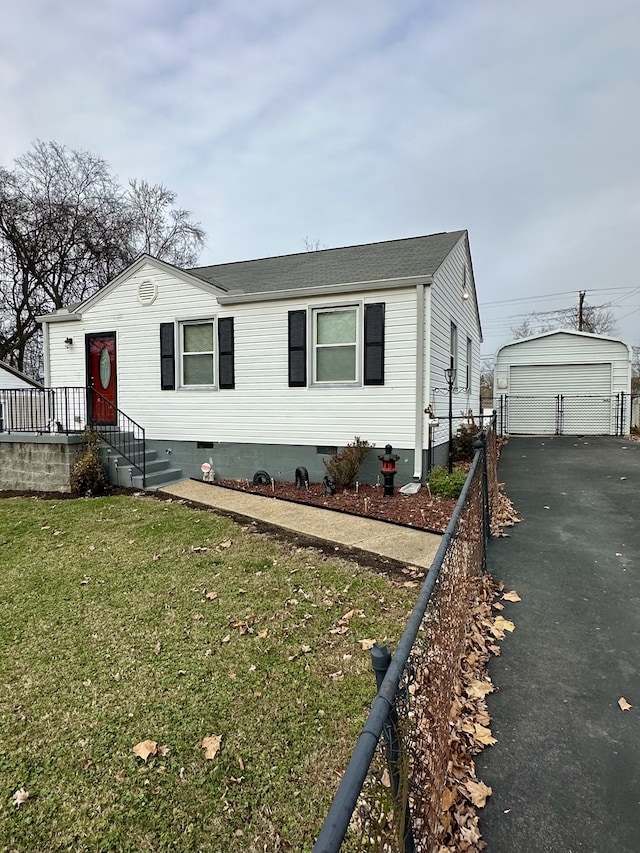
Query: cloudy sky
{"type": "Point", "coordinates": [353, 121]}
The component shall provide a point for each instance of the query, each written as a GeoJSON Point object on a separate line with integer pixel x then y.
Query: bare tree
{"type": "Point", "coordinates": [160, 229]}
{"type": "Point", "coordinates": [597, 319]}
{"type": "Point", "coordinates": [486, 381]}
{"type": "Point", "coordinates": [312, 245]}
{"type": "Point", "coordinates": [635, 370]}
{"type": "Point", "coordinates": [67, 228]}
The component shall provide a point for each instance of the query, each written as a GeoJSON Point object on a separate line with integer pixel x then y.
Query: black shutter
{"type": "Point", "coordinates": [297, 349]}
{"type": "Point", "coordinates": [167, 357]}
{"type": "Point", "coordinates": [225, 352]}
{"type": "Point", "coordinates": [374, 344]}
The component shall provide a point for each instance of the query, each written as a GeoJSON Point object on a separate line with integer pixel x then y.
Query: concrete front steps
{"type": "Point", "coordinates": [121, 472]}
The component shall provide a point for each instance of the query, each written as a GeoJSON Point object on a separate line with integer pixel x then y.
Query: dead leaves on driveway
{"type": "Point", "coordinates": [469, 722]}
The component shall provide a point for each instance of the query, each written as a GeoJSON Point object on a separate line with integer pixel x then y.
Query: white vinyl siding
{"type": "Point", "coordinates": [10, 380]}
{"type": "Point", "coordinates": [262, 407]}
{"type": "Point", "coordinates": [446, 306]}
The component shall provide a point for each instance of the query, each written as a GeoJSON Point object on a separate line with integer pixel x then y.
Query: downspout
{"type": "Point", "coordinates": [419, 420]}
{"type": "Point", "coordinates": [45, 352]}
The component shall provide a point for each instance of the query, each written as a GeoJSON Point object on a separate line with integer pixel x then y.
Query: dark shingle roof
{"type": "Point", "coordinates": [369, 262]}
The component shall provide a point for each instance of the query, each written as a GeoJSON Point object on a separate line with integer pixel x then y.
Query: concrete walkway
{"type": "Point", "coordinates": [565, 772]}
{"type": "Point", "coordinates": [389, 542]}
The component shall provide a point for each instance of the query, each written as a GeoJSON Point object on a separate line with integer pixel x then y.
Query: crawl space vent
{"type": "Point", "coordinates": [147, 292]}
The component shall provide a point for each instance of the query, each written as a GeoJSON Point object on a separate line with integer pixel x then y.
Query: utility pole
{"type": "Point", "coordinates": [582, 295]}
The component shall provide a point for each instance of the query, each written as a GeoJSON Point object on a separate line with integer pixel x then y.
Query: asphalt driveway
{"type": "Point", "coordinates": [565, 772]}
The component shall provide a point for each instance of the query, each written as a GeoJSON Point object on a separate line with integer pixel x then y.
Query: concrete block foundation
{"type": "Point", "coordinates": [39, 463]}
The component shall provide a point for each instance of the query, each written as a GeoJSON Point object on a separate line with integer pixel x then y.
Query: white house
{"type": "Point", "coordinates": [564, 382]}
{"type": "Point", "coordinates": [271, 363]}
{"type": "Point", "coordinates": [12, 405]}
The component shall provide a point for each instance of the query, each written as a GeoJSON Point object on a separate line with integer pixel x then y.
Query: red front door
{"type": "Point", "coordinates": [101, 373]}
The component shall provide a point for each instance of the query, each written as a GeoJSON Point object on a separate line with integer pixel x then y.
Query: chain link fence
{"type": "Point", "coordinates": [565, 414]}
{"type": "Point", "coordinates": [390, 798]}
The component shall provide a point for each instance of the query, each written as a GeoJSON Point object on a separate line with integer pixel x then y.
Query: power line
{"type": "Point", "coordinates": [556, 295]}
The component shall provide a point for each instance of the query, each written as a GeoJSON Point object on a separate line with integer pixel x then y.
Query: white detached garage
{"type": "Point", "coordinates": [564, 382]}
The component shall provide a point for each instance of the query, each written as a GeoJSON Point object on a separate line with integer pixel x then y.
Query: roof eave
{"type": "Point", "coordinates": [325, 289]}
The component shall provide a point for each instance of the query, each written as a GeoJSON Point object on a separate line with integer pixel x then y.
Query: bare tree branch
{"type": "Point", "coordinates": [596, 319]}
{"type": "Point", "coordinates": [67, 227]}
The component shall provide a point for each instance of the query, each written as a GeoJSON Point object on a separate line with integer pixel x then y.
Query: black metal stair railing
{"type": "Point", "coordinates": [118, 430]}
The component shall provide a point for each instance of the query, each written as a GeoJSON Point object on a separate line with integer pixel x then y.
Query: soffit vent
{"type": "Point", "coordinates": [147, 292]}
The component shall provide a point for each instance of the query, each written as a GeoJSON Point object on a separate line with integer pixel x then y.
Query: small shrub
{"type": "Point", "coordinates": [344, 466]}
{"type": "Point", "coordinates": [446, 485]}
{"type": "Point", "coordinates": [87, 475]}
{"type": "Point", "coordinates": [462, 444]}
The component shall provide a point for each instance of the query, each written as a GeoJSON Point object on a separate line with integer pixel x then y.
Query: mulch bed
{"type": "Point", "coordinates": [421, 511]}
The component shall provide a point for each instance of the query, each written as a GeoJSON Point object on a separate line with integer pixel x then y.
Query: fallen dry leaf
{"type": "Point", "coordinates": [211, 746]}
{"type": "Point", "coordinates": [367, 644]}
{"type": "Point", "coordinates": [503, 624]}
{"type": "Point", "coordinates": [478, 689]}
{"type": "Point", "coordinates": [477, 792]}
{"type": "Point", "coordinates": [145, 748]}
{"type": "Point", "coordinates": [511, 596]}
{"type": "Point", "coordinates": [624, 705]}
{"type": "Point", "coordinates": [21, 796]}
{"type": "Point", "coordinates": [483, 734]}
{"type": "Point", "coordinates": [163, 750]}
{"type": "Point", "coordinates": [226, 544]}
{"type": "Point", "coordinates": [448, 799]}
{"type": "Point", "coordinates": [211, 595]}
{"type": "Point", "coordinates": [262, 634]}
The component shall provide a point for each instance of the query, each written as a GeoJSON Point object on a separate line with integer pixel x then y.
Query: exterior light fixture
{"type": "Point", "coordinates": [68, 342]}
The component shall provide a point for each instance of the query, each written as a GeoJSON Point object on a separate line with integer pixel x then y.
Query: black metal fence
{"type": "Point", "coordinates": [442, 427]}
{"type": "Point", "coordinates": [40, 410]}
{"type": "Point", "coordinates": [390, 797]}
{"type": "Point", "coordinates": [565, 414]}
{"type": "Point", "coordinates": [69, 410]}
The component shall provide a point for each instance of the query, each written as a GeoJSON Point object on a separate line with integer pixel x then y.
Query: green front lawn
{"type": "Point", "coordinates": [125, 619]}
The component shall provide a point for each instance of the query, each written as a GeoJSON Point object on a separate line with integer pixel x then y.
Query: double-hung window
{"type": "Point", "coordinates": [453, 346]}
{"type": "Point", "coordinates": [197, 342]}
{"type": "Point", "coordinates": [335, 332]}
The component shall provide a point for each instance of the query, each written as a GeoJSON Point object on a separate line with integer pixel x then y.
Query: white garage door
{"type": "Point", "coordinates": [586, 406]}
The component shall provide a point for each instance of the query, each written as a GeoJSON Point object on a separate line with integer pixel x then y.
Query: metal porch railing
{"type": "Point", "coordinates": [69, 410]}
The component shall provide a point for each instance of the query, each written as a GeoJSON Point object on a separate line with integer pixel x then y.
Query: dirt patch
{"type": "Point", "coordinates": [420, 511]}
